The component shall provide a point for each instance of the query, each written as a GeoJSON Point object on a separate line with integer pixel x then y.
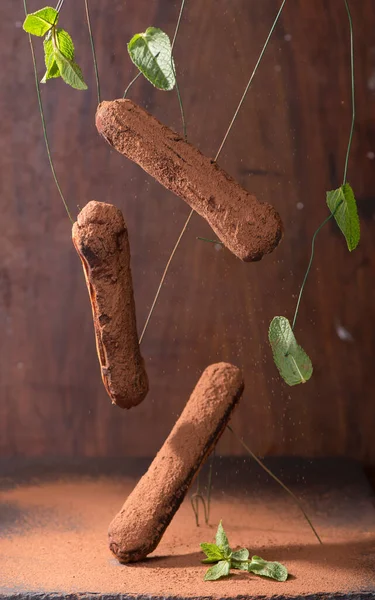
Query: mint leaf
{"type": "Point", "coordinates": [65, 43]}
{"type": "Point", "coordinates": [217, 571]}
{"type": "Point", "coordinates": [213, 553]}
{"type": "Point", "coordinates": [345, 215]}
{"type": "Point", "coordinates": [51, 73]}
{"type": "Point", "coordinates": [49, 58]}
{"type": "Point", "coordinates": [151, 52]}
{"type": "Point", "coordinates": [222, 541]}
{"type": "Point", "coordinates": [240, 559]}
{"type": "Point", "coordinates": [41, 21]}
{"type": "Point", "coordinates": [240, 565]}
{"type": "Point", "coordinates": [292, 361]}
{"type": "Point", "coordinates": [239, 555]}
{"type": "Point", "coordinates": [274, 570]}
{"type": "Point", "coordinates": [69, 71]}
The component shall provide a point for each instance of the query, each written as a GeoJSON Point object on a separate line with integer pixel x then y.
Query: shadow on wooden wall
{"type": "Point", "coordinates": [287, 146]}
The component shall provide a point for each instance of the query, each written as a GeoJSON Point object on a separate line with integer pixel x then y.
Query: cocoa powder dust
{"type": "Point", "coordinates": [53, 538]}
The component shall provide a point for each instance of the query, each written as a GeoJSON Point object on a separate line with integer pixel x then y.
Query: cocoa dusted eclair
{"type": "Point", "coordinates": [139, 526]}
{"type": "Point", "coordinates": [100, 237]}
{"type": "Point", "coordinates": [247, 227]}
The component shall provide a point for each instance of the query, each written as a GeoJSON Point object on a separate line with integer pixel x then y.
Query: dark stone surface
{"type": "Point", "coordinates": [92, 596]}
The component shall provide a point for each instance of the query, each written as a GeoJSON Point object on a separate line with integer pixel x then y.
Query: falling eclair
{"type": "Point", "coordinates": [101, 239]}
{"type": "Point", "coordinates": [139, 526]}
{"type": "Point", "coordinates": [247, 227]}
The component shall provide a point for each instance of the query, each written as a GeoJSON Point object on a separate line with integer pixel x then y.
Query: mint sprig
{"type": "Point", "coordinates": [226, 559]}
{"type": "Point", "coordinates": [58, 47]}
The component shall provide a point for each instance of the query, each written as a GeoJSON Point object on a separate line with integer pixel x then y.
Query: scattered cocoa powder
{"type": "Point", "coordinates": [101, 240]}
{"type": "Point", "coordinates": [53, 541]}
{"type": "Point", "coordinates": [139, 526]}
{"type": "Point", "coordinates": [246, 226]}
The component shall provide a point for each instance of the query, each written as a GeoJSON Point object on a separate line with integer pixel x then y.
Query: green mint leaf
{"type": "Point", "coordinates": [51, 72]}
{"type": "Point", "coordinates": [240, 565]}
{"type": "Point", "coordinates": [346, 215]}
{"type": "Point", "coordinates": [239, 555]}
{"type": "Point", "coordinates": [213, 553]}
{"type": "Point", "coordinates": [217, 571]}
{"type": "Point", "coordinates": [65, 43]}
{"type": "Point", "coordinates": [69, 71]}
{"type": "Point", "coordinates": [151, 52]}
{"type": "Point", "coordinates": [41, 21]}
{"type": "Point", "coordinates": [274, 570]}
{"type": "Point", "coordinates": [49, 58]}
{"type": "Point", "coordinates": [292, 361]}
{"type": "Point", "coordinates": [222, 541]}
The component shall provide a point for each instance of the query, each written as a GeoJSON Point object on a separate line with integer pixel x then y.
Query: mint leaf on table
{"type": "Point", "coordinates": [343, 205]}
{"type": "Point", "coordinates": [217, 571]}
{"type": "Point", "coordinates": [41, 21]}
{"type": "Point", "coordinates": [265, 568]}
{"type": "Point", "coordinates": [240, 559]}
{"type": "Point", "coordinates": [291, 360]}
{"type": "Point", "coordinates": [221, 554]}
{"type": "Point", "coordinates": [240, 566]}
{"type": "Point", "coordinates": [151, 52]}
{"type": "Point", "coordinates": [222, 541]}
{"type": "Point", "coordinates": [240, 555]}
{"type": "Point", "coordinates": [212, 552]}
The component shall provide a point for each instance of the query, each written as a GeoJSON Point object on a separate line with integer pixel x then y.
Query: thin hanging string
{"type": "Point", "coordinates": [250, 81]}
{"type": "Point", "coordinates": [209, 484]}
{"type": "Point", "coordinates": [352, 84]}
{"type": "Point", "coordinates": [93, 50]}
{"type": "Point", "coordinates": [164, 276]}
{"type": "Point", "coordinates": [194, 500]}
{"type": "Point", "coordinates": [285, 488]}
{"type": "Point", "coordinates": [131, 83]}
{"type": "Point", "coordinates": [216, 157]}
{"type": "Point", "coordinates": [178, 23]}
{"type": "Point", "coordinates": [180, 103]}
{"type": "Point", "coordinates": [206, 503]}
{"type": "Point", "coordinates": [59, 5]}
{"type": "Point", "coordinates": [352, 88]}
{"type": "Point", "coordinates": [174, 71]}
{"type": "Point", "coordinates": [44, 122]}
{"type": "Point", "coordinates": [210, 241]}
{"type": "Point", "coordinates": [309, 267]}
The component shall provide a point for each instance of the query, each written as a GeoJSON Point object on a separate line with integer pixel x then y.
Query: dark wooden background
{"type": "Point", "coordinates": [287, 146]}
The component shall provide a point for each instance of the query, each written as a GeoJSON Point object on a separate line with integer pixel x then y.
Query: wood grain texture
{"type": "Point", "coordinates": [287, 147]}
